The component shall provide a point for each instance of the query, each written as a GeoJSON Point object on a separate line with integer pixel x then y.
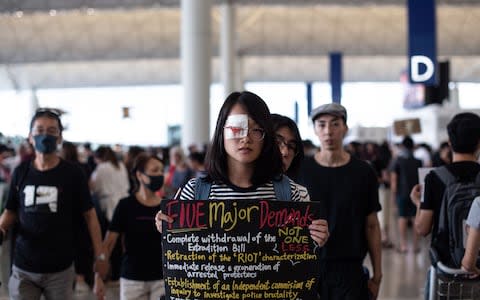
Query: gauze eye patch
{"type": "Point", "coordinates": [236, 126]}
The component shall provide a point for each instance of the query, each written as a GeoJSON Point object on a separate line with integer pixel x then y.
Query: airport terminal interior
{"type": "Point", "coordinates": [154, 74]}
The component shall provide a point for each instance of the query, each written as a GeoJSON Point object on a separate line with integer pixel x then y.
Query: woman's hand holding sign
{"type": "Point", "coordinates": [159, 218]}
{"type": "Point", "coordinates": [319, 231]}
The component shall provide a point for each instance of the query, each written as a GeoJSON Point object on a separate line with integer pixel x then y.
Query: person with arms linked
{"type": "Point", "coordinates": [46, 197]}
{"type": "Point", "coordinates": [133, 219]}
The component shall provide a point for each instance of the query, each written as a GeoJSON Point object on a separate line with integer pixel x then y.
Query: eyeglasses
{"type": "Point", "coordinates": [256, 134]}
{"type": "Point", "coordinates": [291, 146]}
{"type": "Point", "coordinates": [50, 113]}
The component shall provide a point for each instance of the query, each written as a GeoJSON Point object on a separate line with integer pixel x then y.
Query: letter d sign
{"type": "Point", "coordinates": [415, 62]}
{"type": "Point", "coordinates": [422, 41]}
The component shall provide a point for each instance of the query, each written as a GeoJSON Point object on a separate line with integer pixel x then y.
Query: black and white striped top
{"type": "Point", "coordinates": [222, 191]}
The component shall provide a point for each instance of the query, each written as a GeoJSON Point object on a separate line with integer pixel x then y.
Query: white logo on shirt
{"type": "Point", "coordinates": [37, 199]}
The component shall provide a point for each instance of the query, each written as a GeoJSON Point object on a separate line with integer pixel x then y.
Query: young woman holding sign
{"type": "Point", "coordinates": [244, 160]}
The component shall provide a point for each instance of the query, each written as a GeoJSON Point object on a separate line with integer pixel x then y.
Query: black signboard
{"type": "Point", "coordinates": [243, 250]}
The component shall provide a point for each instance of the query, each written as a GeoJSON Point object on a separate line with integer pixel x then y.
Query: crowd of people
{"type": "Point", "coordinates": [78, 217]}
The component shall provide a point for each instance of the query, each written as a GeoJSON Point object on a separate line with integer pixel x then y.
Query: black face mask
{"type": "Point", "coordinates": [45, 143]}
{"type": "Point", "coordinates": [156, 182]}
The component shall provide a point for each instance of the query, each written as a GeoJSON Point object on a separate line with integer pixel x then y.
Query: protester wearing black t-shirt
{"type": "Point", "coordinates": [434, 189]}
{"type": "Point", "coordinates": [403, 177]}
{"type": "Point", "coordinates": [47, 196]}
{"type": "Point", "coordinates": [348, 190]}
{"type": "Point", "coordinates": [464, 138]}
{"type": "Point", "coordinates": [134, 222]}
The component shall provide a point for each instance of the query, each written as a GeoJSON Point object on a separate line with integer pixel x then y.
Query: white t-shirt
{"type": "Point", "coordinates": [110, 184]}
{"type": "Point", "coordinates": [473, 219]}
{"type": "Point", "coordinates": [422, 154]}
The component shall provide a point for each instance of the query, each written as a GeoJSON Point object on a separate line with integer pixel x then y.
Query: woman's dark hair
{"type": "Point", "coordinates": [106, 153]}
{"type": "Point", "coordinates": [132, 154]}
{"type": "Point", "coordinates": [268, 165]}
{"type": "Point", "coordinates": [279, 122]}
{"type": "Point", "coordinates": [139, 164]}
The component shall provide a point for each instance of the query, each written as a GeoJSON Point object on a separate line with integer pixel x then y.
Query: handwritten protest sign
{"type": "Point", "coordinates": [240, 250]}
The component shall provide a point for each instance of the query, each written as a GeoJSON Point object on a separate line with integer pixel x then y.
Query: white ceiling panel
{"type": "Point", "coordinates": [109, 42]}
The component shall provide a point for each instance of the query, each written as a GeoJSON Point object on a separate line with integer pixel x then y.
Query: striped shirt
{"type": "Point", "coordinates": [304, 196]}
{"type": "Point", "coordinates": [222, 191]}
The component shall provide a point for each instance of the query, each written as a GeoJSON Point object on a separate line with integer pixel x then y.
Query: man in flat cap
{"type": "Point", "coordinates": [348, 190]}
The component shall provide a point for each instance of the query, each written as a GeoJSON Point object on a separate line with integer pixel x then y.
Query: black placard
{"type": "Point", "coordinates": [243, 250]}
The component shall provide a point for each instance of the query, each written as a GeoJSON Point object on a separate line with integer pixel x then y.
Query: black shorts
{"type": "Point", "coordinates": [406, 208]}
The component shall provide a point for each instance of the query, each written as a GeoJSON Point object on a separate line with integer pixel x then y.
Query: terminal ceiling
{"type": "Point", "coordinates": [77, 43]}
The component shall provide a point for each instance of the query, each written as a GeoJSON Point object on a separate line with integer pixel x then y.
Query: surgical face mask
{"type": "Point", "coordinates": [156, 182]}
{"type": "Point", "coordinates": [45, 143]}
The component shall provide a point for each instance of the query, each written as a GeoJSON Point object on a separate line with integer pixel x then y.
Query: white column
{"type": "Point", "coordinates": [195, 56]}
{"type": "Point", "coordinates": [227, 48]}
{"type": "Point", "coordinates": [239, 83]}
{"type": "Point", "coordinates": [454, 101]}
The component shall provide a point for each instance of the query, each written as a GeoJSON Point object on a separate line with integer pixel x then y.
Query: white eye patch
{"type": "Point", "coordinates": [236, 126]}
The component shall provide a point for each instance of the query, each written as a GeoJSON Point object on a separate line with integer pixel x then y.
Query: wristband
{"type": "Point", "coordinates": [101, 257]}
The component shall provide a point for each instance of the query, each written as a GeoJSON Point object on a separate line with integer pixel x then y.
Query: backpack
{"type": "Point", "coordinates": [281, 187]}
{"type": "Point", "coordinates": [456, 202]}
{"type": "Point", "coordinates": [25, 165]}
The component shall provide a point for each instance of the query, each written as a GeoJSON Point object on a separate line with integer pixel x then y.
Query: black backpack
{"type": "Point", "coordinates": [457, 200]}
